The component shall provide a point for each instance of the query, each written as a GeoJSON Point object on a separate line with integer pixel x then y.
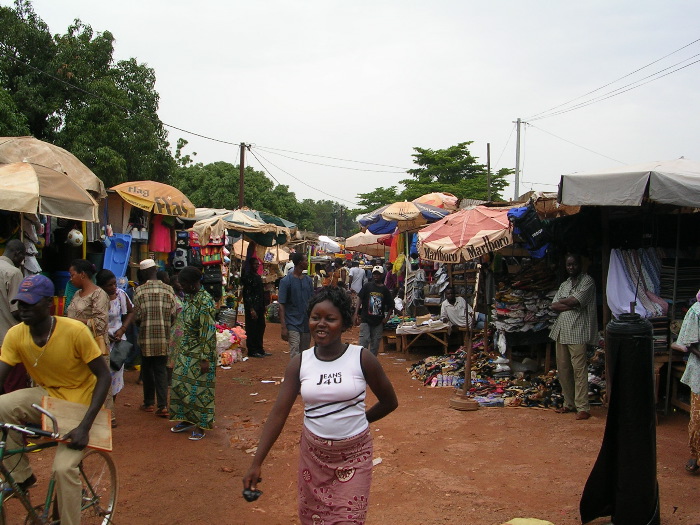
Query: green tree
{"type": "Point", "coordinates": [374, 199]}
{"type": "Point", "coordinates": [454, 170]}
{"type": "Point", "coordinates": [73, 94]}
{"type": "Point", "coordinates": [12, 122]}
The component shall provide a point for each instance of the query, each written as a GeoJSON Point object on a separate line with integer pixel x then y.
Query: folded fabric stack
{"type": "Point", "coordinates": [523, 301]}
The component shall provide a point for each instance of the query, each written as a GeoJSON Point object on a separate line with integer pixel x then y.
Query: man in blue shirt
{"type": "Point", "coordinates": [296, 288]}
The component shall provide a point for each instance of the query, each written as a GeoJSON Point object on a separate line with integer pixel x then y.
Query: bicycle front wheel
{"type": "Point", "coordinates": [99, 479]}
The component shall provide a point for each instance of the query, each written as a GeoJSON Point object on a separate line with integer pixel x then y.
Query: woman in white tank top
{"type": "Point", "coordinates": [335, 463]}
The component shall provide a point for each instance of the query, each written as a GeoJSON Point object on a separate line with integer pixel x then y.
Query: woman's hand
{"type": "Point", "coordinates": [254, 315]}
{"type": "Point", "coordinates": [118, 334]}
{"type": "Point", "coordinates": [252, 477]}
{"type": "Point", "coordinates": [204, 366]}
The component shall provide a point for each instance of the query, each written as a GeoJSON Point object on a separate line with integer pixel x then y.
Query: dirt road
{"type": "Point", "coordinates": [438, 465]}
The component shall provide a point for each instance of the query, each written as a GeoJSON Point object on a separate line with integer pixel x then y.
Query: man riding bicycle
{"type": "Point", "coordinates": [64, 362]}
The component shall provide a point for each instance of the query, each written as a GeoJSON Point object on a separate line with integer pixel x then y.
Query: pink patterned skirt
{"type": "Point", "coordinates": [334, 479]}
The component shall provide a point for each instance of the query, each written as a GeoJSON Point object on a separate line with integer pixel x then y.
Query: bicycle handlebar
{"type": "Point", "coordinates": [36, 431]}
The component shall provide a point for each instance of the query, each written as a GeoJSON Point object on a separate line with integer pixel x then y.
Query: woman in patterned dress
{"type": "Point", "coordinates": [194, 374]}
{"type": "Point", "coordinates": [335, 460]}
{"type": "Point", "coordinates": [688, 341]}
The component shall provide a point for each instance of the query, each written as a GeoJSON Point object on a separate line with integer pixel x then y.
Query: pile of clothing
{"type": "Point", "coordinates": [522, 301]}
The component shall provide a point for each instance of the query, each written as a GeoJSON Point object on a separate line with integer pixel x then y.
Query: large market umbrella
{"type": "Point", "coordinates": [404, 216]}
{"type": "Point", "coordinates": [439, 199]}
{"type": "Point", "coordinates": [261, 228]}
{"type": "Point", "coordinates": [465, 235]}
{"type": "Point", "coordinates": [38, 152]}
{"type": "Point", "coordinates": [29, 188]}
{"type": "Point", "coordinates": [273, 254]}
{"type": "Point", "coordinates": [367, 243]}
{"type": "Point", "coordinates": [283, 233]}
{"type": "Point", "coordinates": [667, 181]}
{"type": "Point", "coordinates": [157, 197]}
{"type": "Point", "coordinates": [327, 244]}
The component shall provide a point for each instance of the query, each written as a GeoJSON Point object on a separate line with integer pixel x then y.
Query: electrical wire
{"type": "Point", "coordinates": [617, 80]}
{"type": "Point", "coordinates": [574, 144]}
{"type": "Point", "coordinates": [330, 165]}
{"type": "Point", "coordinates": [621, 90]}
{"type": "Point", "coordinates": [265, 148]}
{"type": "Point", "coordinates": [495, 166]}
{"type": "Point", "coordinates": [4, 50]}
{"type": "Point", "coordinates": [263, 166]}
{"type": "Point", "coordinates": [301, 181]}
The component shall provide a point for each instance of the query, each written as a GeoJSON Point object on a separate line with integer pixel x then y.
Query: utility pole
{"type": "Point", "coordinates": [517, 161]}
{"type": "Point", "coordinates": [488, 171]}
{"type": "Point", "coordinates": [241, 171]}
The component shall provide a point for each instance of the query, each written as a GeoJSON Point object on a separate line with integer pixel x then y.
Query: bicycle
{"type": "Point", "coordinates": [98, 476]}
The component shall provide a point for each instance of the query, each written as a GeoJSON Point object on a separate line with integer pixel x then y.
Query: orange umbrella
{"type": "Point", "coordinates": [440, 200]}
{"type": "Point", "coordinates": [157, 197]}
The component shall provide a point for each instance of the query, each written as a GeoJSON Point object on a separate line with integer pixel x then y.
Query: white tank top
{"type": "Point", "coordinates": [333, 394]}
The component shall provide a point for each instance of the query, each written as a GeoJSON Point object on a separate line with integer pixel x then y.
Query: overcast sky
{"type": "Point", "coordinates": [369, 80]}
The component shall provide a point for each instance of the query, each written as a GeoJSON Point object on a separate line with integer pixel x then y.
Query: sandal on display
{"type": "Point", "coordinates": [692, 466]}
{"type": "Point", "coordinates": [197, 434]}
{"type": "Point", "coordinates": [182, 426]}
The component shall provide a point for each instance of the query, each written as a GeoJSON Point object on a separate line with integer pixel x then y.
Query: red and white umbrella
{"type": "Point", "coordinates": [368, 243]}
{"type": "Point", "coordinates": [465, 235]}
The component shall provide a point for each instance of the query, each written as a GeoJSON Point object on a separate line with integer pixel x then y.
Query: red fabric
{"type": "Point", "coordinates": [160, 238]}
{"type": "Point", "coordinates": [394, 250]}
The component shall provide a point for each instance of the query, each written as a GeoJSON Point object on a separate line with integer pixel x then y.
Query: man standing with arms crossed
{"type": "Point", "coordinates": [10, 277]}
{"type": "Point", "coordinates": [65, 362]}
{"type": "Point", "coordinates": [296, 288]}
{"type": "Point", "coordinates": [575, 328]}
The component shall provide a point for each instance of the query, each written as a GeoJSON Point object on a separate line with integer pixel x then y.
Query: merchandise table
{"type": "Point", "coordinates": [408, 335]}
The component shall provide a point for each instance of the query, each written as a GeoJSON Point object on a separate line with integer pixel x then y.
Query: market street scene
{"type": "Point", "coordinates": [228, 297]}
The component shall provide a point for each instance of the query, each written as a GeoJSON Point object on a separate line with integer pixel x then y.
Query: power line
{"type": "Point", "coordinates": [610, 83]}
{"type": "Point", "coordinates": [328, 165]}
{"type": "Point", "coordinates": [302, 182]}
{"type": "Point", "coordinates": [8, 54]}
{"type": "Point", "coordinates": [574, 144]}
{"type": "Point", "coordinates": [495, 166]}
{"type": "Point", "coordinates": [333, 158]}
{"type": "Point", "coordinates": [263, 166]}
{"type": "Point", "coordinates": [621, 90]}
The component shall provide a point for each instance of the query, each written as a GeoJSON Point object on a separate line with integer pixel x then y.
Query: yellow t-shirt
{"type": "Point", "coordinates": [62, 367]}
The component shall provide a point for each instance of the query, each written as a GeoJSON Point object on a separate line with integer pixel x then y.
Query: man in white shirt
{"type": "Point", "coordinates": [358, 278]}
{"type": "Point", "coordinates": [454, 310]}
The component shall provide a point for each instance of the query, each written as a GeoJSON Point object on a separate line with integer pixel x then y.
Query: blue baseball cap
{"type": "Point", "coordinates": [34, 288]}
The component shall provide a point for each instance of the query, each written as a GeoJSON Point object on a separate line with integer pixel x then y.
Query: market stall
{"type": "Point", "coordinates": [650, 199]}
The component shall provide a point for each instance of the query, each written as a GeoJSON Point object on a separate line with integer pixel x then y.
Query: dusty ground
{"type": "Point", "coordinates": [438, 465]}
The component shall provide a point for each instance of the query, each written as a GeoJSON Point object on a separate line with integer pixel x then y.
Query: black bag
{"type": "Point", "coordinates": [120, 351]}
